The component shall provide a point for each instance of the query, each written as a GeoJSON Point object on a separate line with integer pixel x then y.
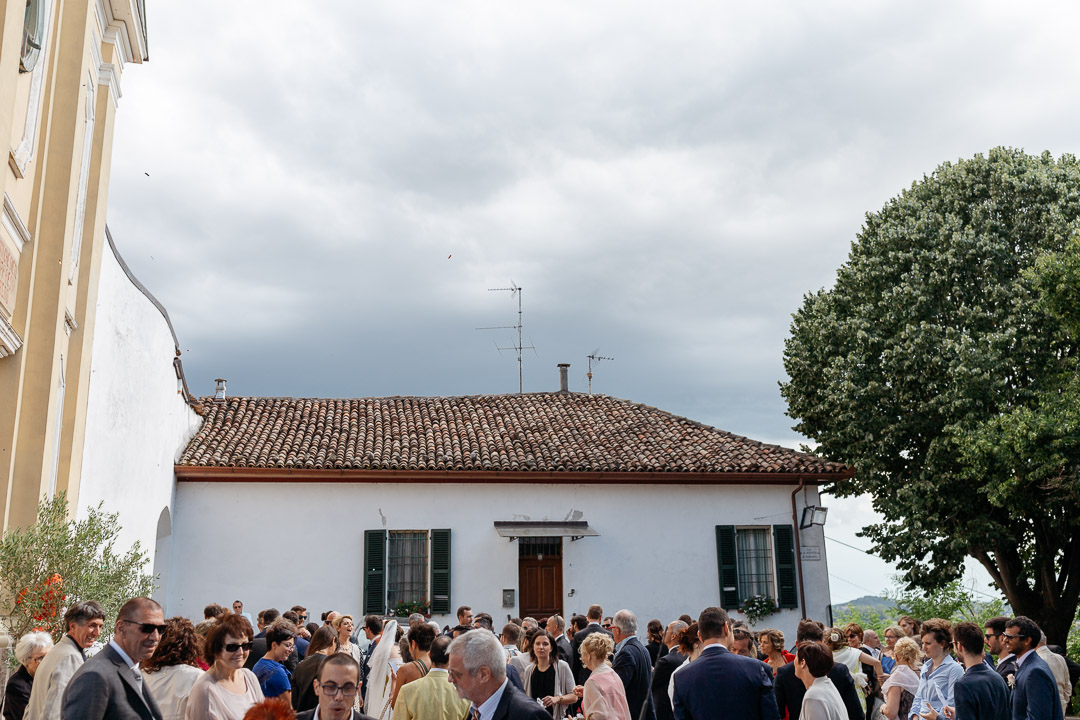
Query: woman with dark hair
{"type": "Point", "coordinates": [227, 690]}
{"type": "Point", "coordinates": [547, 679]}
{"type": "Point", "coordinates": [911, 626]}
{"type": "Point", "coordinates": [303, 679]}
{"type": "Point", "coordinates": [173, 669]}
{"type": "Point", "coordinates": [656, 647]}
{"type": "Point", "coordinates": [822, 701]}
{"type": "Point", "coordinates": [940, 671]}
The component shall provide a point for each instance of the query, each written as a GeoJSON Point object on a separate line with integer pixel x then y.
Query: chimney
{"type": "Point", "coordinates": [219, 390]}
{"type": "Point", "coordinates": [564, 384]}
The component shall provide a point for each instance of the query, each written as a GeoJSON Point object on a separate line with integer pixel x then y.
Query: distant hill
{"type": "Point", "coordinates": [867, 602]}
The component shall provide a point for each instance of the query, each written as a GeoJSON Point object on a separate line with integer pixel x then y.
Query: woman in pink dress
{"type": "Point", "coordinates": [603, 697]}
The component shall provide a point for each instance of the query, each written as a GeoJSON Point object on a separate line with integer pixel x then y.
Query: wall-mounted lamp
{"type": "Point", "coordinates": [813, 515]}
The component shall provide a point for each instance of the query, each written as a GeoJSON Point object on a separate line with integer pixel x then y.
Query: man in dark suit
{"type": "Point", "coordinates": [981, 693]}
{"type": "Point", "coordinates": [666, 665]}
{"type": "Point", "coordinates": [595, 613]}
{"type": "Point", "coordinates": [1035, 695]}
{"type": "Point", "coordinates": [478, 671]}
{"type": "Point", "coordinates": [557, 627]}
{"type": "Point", "coordinates": [790, 689]}
{"type": "Point", "coordinates": [373, 626]}
{"type": "Point", "coordinates": [632, 664]}
{"type": "Point", "coordinates": [110, 685]}
{"type": "Point", "coordinates": [1006, 661]}
{"type": "Point", "coordinates": [336, 686]}
{"type": "Point", "coordinates": [721, 685]}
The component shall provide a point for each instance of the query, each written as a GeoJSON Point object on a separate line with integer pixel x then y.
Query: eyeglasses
{"type": "Point", "coordinates": [987, 636]}
{"type": "Point", "coordinates": [332, 690]}
{"type": "Point", "coordinates": [303, 618]}
{"type": "Point", "coordinates": [147, 628]}
{"type": "Point", "coordinates": [1007, 636]}
{"type": "Point", "coordinates": [233, 647]}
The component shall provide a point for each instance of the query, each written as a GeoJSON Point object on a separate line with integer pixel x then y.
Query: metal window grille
{"type": "Point", "coordinates": [407, 567]}
{"type": "Point", "coordinates": [533, 546]}
{"type": "Point", "coordinates": [755, 562]}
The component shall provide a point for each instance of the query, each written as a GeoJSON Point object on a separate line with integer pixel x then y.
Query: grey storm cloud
{"type": "Point", "coordinates": [333, 188]}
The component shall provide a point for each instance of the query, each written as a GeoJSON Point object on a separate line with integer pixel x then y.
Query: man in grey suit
{"type": "Point", "coordinates": [83, 621]}
{"type": "Point", "coordinates": [110, 685]}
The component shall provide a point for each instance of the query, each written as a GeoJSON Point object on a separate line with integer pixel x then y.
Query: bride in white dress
{"type": "Point", "coordinates": [384, 666]}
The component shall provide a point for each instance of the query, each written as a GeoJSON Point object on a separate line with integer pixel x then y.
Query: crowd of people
{"type": "Point", "coordinates": [593, 667]}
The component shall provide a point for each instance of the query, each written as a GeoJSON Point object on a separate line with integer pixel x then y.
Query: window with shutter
{"type": "Point", "coordinates": [787, 591]}
{"type": "Point", "coordinates": [374, 572]}
{"type": "Point", "coordinates": [727, 565]}
{"type": "Point", "coordinates": [440, 571]}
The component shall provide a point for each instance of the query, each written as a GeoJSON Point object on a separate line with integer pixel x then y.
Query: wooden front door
{"type": "Point", "coordinates": [540, 577]}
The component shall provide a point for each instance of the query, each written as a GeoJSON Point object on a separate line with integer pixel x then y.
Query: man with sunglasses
{"type": "Point", "coordinates": [1035, 694]}
{"type": "Point", "coordinates": [336, 685]}
{"type": "Point", "coordinates": [994, 630]}
{"type": "Point", "coordinates": [110, 684]}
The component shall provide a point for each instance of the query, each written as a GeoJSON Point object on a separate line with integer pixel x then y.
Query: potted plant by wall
{"type": "Point", "coordinates": [405, 608]}
{"type": "Point", "coordinates": [758, 607]}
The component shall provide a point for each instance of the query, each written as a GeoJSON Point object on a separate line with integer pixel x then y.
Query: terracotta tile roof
{"type": "Point", "coordinates": [543, 432]}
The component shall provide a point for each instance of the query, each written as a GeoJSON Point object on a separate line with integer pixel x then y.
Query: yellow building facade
{"type": "Point", "coordinates": [61, 64]}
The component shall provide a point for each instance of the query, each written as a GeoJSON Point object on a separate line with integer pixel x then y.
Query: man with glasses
{"type": "Point", "coordinates": [432, 697]}
{"type": "Point", "coordinates": [1035, 694]}
{"type": "Point", "coordinates": [336, 686]}
{"type": "Point", "coordinates": [238, 608]}
{"type": "Point", "coordinates": [994, 630]}
{"type": "Point", "coordinates": [110, 684]}
{"type": "Point", "coordinates": [84, 621]}
{"type": "Point", "coordinates": [478, 670]}
{"type": "Point", "coordinates": [980, 693]}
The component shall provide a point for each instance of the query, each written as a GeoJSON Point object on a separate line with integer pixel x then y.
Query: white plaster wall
{"type": "Point", "coordinates": [136, 422]}
{"type": "Point", "coordinates": [280, 544]}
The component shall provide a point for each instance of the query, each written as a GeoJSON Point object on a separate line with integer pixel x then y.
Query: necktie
{"type": "Point", "coordinates": [474, 714]}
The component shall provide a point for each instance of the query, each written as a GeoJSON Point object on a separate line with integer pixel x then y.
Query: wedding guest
{"type": "Point", "coordinates": [173, 669]}
{"type": "Point", "coordinates": [227, 689]}
{"type": "Point", "coordinates": [903, 682]}
{"type": "Point", "coordinates": [323, 641]}
{"type": "Point", "coordinates": [813, 661]}
{"type": "Point", "coordinates": [548, 679]}
{"type": "Point", "coordinates": [772, 646]}
{"type": "Point", "coordinates": [603, 695]}
{"type": "Point", "coordinates": [940, 671]}
{"type": "Point", "coordinates": [29, 652]}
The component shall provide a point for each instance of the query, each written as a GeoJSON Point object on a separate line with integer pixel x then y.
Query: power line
{"type": "Point", "coordinates": [865, 552]}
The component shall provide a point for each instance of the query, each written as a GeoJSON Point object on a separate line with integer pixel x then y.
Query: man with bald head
{"type": "Point", "coordinates": [110, 684]}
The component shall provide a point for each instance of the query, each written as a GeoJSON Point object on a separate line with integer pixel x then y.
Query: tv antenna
{"type": "Point", "coordinates": [520, 346]}
{"type": "Point", "coordinates": [594, 357]}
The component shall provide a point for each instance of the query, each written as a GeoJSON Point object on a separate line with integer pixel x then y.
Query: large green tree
{"type": "Point", "coordinates": [942, 366]}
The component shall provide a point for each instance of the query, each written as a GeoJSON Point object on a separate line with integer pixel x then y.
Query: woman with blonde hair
{"type": "Point", "coordinates": [603, 697]}
{"type": "Point", "coordinates": [899, 690]}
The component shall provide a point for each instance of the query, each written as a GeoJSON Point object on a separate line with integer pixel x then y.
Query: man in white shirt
{"type": "Point", "coordinates": [336, 686]}
{"type": "Point", "coordinates": [478, 671]}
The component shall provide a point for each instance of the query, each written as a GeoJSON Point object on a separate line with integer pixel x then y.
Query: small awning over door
{"type": "Point", "coordinates": [575, 529]}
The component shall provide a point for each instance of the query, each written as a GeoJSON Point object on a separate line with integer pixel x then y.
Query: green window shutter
{"type": "Point", "coordinates": [440, 572]}
{"type": "Point", "coordinates": [728, 567]}
{"type": "Point", "coordinates": [374, 572]}
{"type": "Point", "coordinates": [787, 591]}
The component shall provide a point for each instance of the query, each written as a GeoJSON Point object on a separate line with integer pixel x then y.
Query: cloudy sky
{"type": "Point", "coordinates": [323, 195]}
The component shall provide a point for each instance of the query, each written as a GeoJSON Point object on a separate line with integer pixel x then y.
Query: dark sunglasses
{"type": "Point", "coordinates": [233, 647]}
{"type": "Point", "coordinates": [147, 628]}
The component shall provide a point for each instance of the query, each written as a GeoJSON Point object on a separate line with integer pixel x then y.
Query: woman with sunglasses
{"type": "Point", "coordinates": [173, 668]}
{"type": "Point", "coordinates": [227, 689]}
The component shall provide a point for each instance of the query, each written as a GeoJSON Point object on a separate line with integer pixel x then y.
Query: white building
{"type": "Point", "coordinates": [513, 504]}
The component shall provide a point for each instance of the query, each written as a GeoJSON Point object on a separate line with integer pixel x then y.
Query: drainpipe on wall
{"type": "Point", "coordinates": [798, 546]}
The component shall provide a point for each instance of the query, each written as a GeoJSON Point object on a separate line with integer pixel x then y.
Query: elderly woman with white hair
{"type": "Point", "coordinates": [30, 651]}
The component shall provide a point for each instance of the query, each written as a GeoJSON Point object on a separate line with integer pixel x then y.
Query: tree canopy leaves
{"type": "Point", "coordinates": [943, 367]}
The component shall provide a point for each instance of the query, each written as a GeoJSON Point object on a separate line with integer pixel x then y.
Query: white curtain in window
{"type": "Point", "coordinates": [755, 562]}
{"type": "Point", "coordinates": [406, 564]}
